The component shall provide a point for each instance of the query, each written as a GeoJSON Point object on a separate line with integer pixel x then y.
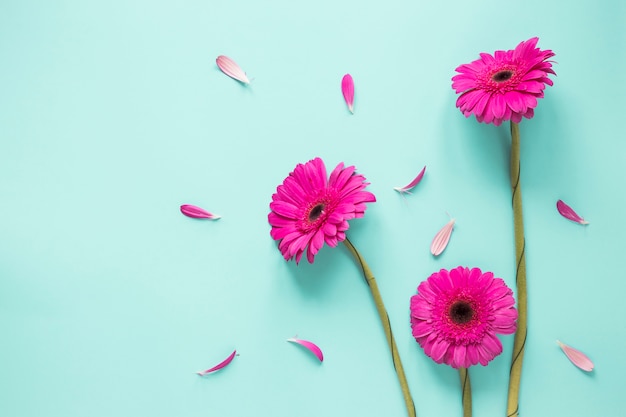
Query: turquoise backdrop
{"type": "Point", "coordinates": [113, 114]}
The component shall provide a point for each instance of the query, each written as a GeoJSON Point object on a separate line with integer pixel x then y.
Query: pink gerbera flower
{"type": "Point", "coordinates": [456, 315]}
{"type": "Point", "coordinates": [504, 86]}
{"type": "Point", "coordinates": [309, 209]}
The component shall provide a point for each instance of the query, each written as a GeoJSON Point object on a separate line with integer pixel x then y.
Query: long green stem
{"type": "Point", "coordinates": [520, 277]}
{"type": "Point", "coordinates": [384, 318]}
{"type": "Point", "coordinates": [466, 392]}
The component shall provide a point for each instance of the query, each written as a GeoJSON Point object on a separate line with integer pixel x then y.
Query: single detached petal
{"type": "Point", "coordinates": [441, 239]}
{"type": "Point", "coordinates": [412, 184]}
{"type": "Point", "coordinates": [309, 345]}
{"type": "Point", "coordinates": [347, 88]}
{"type": "Point", "coordinates": [197, 212]}
{"type": "Point", "coordinates": [230, 68]}
{"type": "Point", "coordinates": [569, 213]}
{"type": "Point", "coordinates": [577, 357]}
{"type": "Point", "coordinates": [220, 365]}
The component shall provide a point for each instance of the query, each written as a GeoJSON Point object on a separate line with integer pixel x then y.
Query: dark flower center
{"type": "Point", "coordinates": [461, 312]}
{"type": "Point", "coordinates": [502, 76]}
{"type": "Point", "coordinates": [316, 212]}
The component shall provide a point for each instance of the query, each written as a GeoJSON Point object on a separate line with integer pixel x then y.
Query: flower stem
{"type": "Point", "coordinates": [519, 342]}
{"type": "Point", "coordinates": [466, 390]}
{"type": "Point", "coordinates": [384, 318]}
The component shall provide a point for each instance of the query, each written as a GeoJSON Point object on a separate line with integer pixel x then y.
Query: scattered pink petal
{"type": "Point", "coordinates": [309, 345]}
{"type": "Point", "coordinates": [577, 357]}
{"type": "Point", "coordinates": [220, 365]}
{"type": "Point", "coordinates": [197, 212]}
{"type": "Point", "coordinates": [230, 68]}
{"type": "Point", "coordinates": [569, 213]}
{"type": "Point", "coordinates": [407, 188]}
{"type": "Point", "coordinates": [441, 239]}
{"type": "Point", "coordinates": [347, 88]}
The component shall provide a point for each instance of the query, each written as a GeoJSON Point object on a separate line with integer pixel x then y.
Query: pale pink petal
{"type": "Point", "coordinates": [567, 212]}
{"type": "Point", "coordinates": [230, 68]}
{"type": "Point", "coordinates": [441, 239]}
{"type": "Point", "coordinates": [412, 184]}
{"type": "Point", "coordinates": [347, 88]}
{"type": "Point", "coordinates": [577, 357]}
{"type": "Point", "coordinates": [220, 365]}
{"type": "Point", "coordinates": [310, 346]}
{"type": "Point", "coordinates": [197, 212]}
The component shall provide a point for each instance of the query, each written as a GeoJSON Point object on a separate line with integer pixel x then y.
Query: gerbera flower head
{"type": "Point", "coordinates": [504, 86]}
{"type": "Point", "coordinates": [456, 315]}
{"type": "Point", "coordinates": [310, 208]}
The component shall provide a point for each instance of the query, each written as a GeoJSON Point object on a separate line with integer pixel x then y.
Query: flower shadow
{"type": "Point", "coordinates": [477, 148]}
{"type": "Point", "coordinates": [316, 279]}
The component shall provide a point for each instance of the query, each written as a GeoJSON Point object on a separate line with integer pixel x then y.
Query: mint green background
{"type": "Point", "coordinates": [113, 113]}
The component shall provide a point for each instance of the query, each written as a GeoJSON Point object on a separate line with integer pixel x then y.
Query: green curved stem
{"type": "Point", "coordinates": [384, 318]}
{"type": "Point", "coordinates": [519, 342]}
{"type": "Point", "coordinates": [466, 392]}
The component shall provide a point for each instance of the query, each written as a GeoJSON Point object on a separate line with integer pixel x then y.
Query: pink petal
{"type": "Point", "coordinates": [309, 345]}
{"type": "Point", "coordinates": [441, 239]}
{"type": "Point", "coordinates": [412, 184]}
{"type": "Point", "coordinates": [577, 357]}
{"type": "Point", "coordinates": [347, 88]}
{"type": "Point", "coordinates": [220, 365]}
{"type": "Point", "coordinates": [197, 212]}
{"type": "Point", "coordinates": [230, 68]}
{"type": "Point", "coordinates": [567, 212]}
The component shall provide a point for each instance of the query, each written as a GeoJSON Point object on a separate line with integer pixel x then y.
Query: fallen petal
{"type": "Point", "coordinates": [309, 345]}
{"type": "Point", "coordinates": [441, 239]}
{"type": "Point", "coordinates": [412, 184]}
{"type": "Point", "coordinates": [577, 357]}
{"type": "Point", "coordinates": [230, 68]}
{"type": "Point", "coordinates": [569, 213]}
{"type": "Point", "coordinates": [347, 88]}
{"type": "Point", "coordinates": [197, 212]}
{"type": "Point", "coordinates": [220, 365]}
